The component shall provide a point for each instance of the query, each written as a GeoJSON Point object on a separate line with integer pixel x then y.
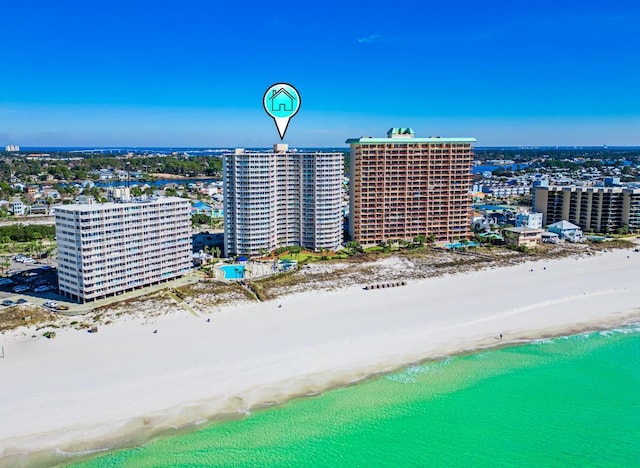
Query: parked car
{"type": "Point", "coordinates": [62, 307]}
{"type": "Point", "coordinates": [20, 288]}
{"type": "Point", "coordinates": [50, 304]}
{"type": "Point", "coordinates": [22, 301]}
{"type": "Point", "coordinates": [43, 288]}
{"type": "Point", "coordinates": [5, 281]}
{"type": "Point", "coordinates": [40, 282]}
{"type": "Point", "coordinates": [8, 302]}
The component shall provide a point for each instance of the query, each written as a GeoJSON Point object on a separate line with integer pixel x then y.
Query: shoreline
{"type": "Point", "coordinates": [174, 431]}
{"type": "Point", "coordinates": [289, 352]}
{"type": "Point", "coordinates": [144, 434]}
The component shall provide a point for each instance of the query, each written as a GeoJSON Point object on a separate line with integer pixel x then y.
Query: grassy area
{"type": "Point", "coordinates": [616, 243]}
{"type": "Point", "coordinates": [14, 317]}
{"type": "Point", "coordinates": [13, 248]}
{"type": "Point", "coordinates": [264, 288]}
{"type": "Point", "coordinates": [213, 292]}
{"type": "Point", "coordinates": [309, 256]}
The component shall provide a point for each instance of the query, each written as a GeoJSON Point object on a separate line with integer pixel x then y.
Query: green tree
{"type": "Point", "coordinates": [623, 230]}
{"type": "Point", "coordinates": [200, 218]}
{"type": "Point", "coordinates": [353, 247]}
{"type": "Point", "coordinates": [5, 263]}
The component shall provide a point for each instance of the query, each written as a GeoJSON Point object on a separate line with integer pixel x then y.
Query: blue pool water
{"type": "Point", "coordinates": [233, 271]}
{"type": "Point", "coordinates": [460, 245]}
{"type": "Point", "coordinates": [493, 207]}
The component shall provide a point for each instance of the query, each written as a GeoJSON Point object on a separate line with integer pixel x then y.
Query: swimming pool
{"type": "Point", "coordinates": [492, 207]}
{"type": "Point", "coordinates": [461, 245]}
{"type": "Point", "coordinates": [232, 271]}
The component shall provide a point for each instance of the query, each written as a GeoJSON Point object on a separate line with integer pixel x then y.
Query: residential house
{"type": "Point", "coordinates": [18, 208]}
{"type": "Point", "coordinates": [522, 237]}
{"type": "Point", "coordinates": [40, 209]}
{"type": "Point", "coordinates": [200, 207]}
{"type": "Point", "coordinates": [531, 220]}
{"type": "Point", "coordinates": [566, 231]}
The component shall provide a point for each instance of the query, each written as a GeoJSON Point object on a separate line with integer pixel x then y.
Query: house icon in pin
{"type": "Point", "coordinates": [281, 101]}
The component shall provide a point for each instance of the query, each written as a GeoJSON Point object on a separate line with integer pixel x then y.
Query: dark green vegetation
{"type": "Point", "coordinates": [523, 155]}
{"type": "Point", "coordinates": [28, 233]}
{"type": "Point", "coordinates": [72, 166]}
{"type": "Point", "coordinates": [200, 219]}
{"type": "Point", "coordinates": [65, 166]}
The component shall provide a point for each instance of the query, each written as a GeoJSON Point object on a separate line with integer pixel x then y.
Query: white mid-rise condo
{"type": "Point", "coordinates": [282, 198]}
{"type": "Point", "coordinates": [109, 248]}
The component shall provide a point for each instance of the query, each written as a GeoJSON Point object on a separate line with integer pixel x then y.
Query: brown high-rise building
{"type": "Point", "coordinates": [402, 187]}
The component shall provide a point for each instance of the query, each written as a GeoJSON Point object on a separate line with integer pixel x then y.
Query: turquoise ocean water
{"type": "Point", "coordinates": [565, 401]}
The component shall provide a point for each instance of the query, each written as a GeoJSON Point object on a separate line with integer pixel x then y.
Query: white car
{"type": "Point", "coordinates": [50, 304]}
{"type": "Point", "coordinates": [20, 288]}
{"type": "Point", "coordinates": [42, 288]}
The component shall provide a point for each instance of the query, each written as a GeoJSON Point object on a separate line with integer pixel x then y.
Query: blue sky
{"type": "Point", "coordinates": [193, 73]}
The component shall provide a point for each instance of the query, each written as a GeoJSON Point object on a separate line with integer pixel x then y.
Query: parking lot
{"type": "Point", "coordinates": [30, 281]}
{"type": "Point", "coordinates": [23, 276]}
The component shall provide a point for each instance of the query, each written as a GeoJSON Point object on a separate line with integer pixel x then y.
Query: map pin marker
{"type": "Point", "coordinates": [281, 101]}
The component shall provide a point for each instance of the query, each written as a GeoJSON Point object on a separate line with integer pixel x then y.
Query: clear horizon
{"type": "Point", "coordinates": [151, 74]}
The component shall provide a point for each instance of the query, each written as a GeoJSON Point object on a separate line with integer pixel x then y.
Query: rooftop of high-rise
{"type": "Point", "coordinates": [407, 135]}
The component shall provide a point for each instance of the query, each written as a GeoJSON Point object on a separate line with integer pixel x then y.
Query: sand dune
{"type": "Point", "coordinates": [85, 391]}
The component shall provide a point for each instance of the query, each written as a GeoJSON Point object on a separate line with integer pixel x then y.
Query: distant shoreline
{"type": "Point", "coordinates": [163, 175]}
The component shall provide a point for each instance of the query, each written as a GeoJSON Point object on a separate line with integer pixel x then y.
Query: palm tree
{"type": "Point", "coordinates": [32, 247]}
{"type": "Point", "coordinates": [39, 246]}
{"type": "Point", "coordinates": [5, 263]}
{"type": "Point", "coordinates": [47, 253]}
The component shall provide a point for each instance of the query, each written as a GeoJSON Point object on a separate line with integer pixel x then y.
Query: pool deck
{"type": "Point", "coordinates": [252, 270]}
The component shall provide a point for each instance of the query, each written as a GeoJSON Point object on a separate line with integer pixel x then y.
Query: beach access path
{"type": "Point", "coordinates": [84, 391]}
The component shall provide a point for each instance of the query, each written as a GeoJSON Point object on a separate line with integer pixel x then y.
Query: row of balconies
{"type": "Point", "coordinates": [134, 273]}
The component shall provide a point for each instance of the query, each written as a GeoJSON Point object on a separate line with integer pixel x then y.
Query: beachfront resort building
{"type": "Point", "coordinates": [599, 209]}
{"type": "Point", "coordinates": [402, 187]}
{"type": "Point", "coordinates": [109, 248]}
{"type": "Point", "coordinates": [282, 198]}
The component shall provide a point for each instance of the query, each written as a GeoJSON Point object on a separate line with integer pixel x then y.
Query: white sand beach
{"type": "Point", "coordinates": [83, 391]}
